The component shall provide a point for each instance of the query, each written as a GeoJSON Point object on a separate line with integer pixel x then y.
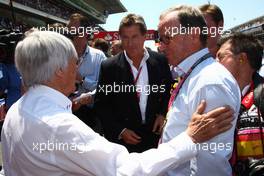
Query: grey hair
{"type": "Point", "coordinates": [189, 17]}
{"type": "Point", "coordinates": [40, 54]}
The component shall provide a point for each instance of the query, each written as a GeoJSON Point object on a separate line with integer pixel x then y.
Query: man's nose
{"type": "Point", "coordinates": [130, 43]}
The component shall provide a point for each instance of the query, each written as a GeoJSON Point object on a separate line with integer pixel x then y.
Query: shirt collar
{"type": "Point", "coordinates": [176, 72]}
{"type": "Point", "coordinates": [187, 63]}
{"type": "Point", "coordinates": [144, 59]}
{"type": "Point", "coordinates": [245, 90]}
{"type": "Point", "coordinates": [86, 52]}
{"type": "Point", "coordinates": [55, 96]}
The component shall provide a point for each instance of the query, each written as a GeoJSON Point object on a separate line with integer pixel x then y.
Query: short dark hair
{"type": "Point", "coordinates": [133, 19]}
{"type": "Point", "coordinates": [245, 43]}
{"type": "Point", "coordinates": [214, 11]}
{"type": "Point", "coordinates": [84, 21]}
{"type": "Point", "coordinates": [101, 44]}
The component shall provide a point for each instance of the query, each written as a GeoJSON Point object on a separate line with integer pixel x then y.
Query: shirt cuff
{"type": "Point", "coordinates": [119, 136]}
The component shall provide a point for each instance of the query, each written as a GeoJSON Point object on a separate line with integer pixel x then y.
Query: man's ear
{"type": "Point", "coordinates": [243, 58]}
{"type": "Point", "coordinates": [145, 36]}
{"type": "Point", "coordinates": [59, 72]}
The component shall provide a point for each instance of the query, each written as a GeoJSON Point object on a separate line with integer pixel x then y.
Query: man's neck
{"type": "Point", "coordinates": [54, 85]}
{"type": "Point", "coordinates": [81, 49]}
{"type": "Point", "coordinates": [136, 58]}
{"type": "Point", "coordinates": [188, 53]}
{"type": "Point", "coordinates": [244, 80]}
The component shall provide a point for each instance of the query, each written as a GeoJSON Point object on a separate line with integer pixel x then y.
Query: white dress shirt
{"type": "Point", "coordinates": [142, 82]}
{"type": "Point", "coordinates": [212, 82]}
{"type": "Point", "coordinates": [261, 70]}
{"type": "Point", "coordinates": [41, 137]}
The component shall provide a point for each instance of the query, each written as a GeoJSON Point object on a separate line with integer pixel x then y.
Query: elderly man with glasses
{"type": "Point", "coordinates": [183, 41]}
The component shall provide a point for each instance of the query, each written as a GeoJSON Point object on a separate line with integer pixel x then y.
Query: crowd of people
{"type": "Point", "coordinates": [193, 108]}
{"type": "Point", "coordinates": [49, 7]}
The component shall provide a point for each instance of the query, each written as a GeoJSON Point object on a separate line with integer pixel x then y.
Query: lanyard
{"type": "Point", "coordinates": [136, 79]}
{"type": "Point", "coordinates": [177, 89]}
{"type": "Point", "coordinates": [138, 74]}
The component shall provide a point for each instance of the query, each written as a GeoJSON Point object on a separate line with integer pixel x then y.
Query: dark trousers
{"type": "Point", "coordinates": [87, 115]}
{"type": "Point", "coordinates": [148, 140]}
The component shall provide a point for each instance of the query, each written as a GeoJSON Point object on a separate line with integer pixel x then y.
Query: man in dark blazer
{"type": "Point", "coordinates": [133, 90]}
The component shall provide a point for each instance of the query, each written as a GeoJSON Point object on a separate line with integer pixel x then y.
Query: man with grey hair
{"type": "Point", "coordinates": [183, 41]}
{"type": "Point", "coordinates": [42, 137]}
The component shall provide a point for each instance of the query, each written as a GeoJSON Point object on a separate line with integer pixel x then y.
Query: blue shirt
{"type": "Point", "coordinates": [89, 68]}
{"type": "Point", "coordinates": [10, 81]}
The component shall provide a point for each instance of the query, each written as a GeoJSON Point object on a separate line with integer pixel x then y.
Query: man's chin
{"type": "Point", "coordinates": [133, 51]}
{"type": "Point", "coordinates": [68, 93]}
{"type": "Point", "coordinates": [170, 60]}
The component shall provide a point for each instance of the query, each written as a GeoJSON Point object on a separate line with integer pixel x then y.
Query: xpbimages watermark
{"type": "Point", "coordinates": [182, 30]}
{"type": "Point", "coordinates": [50, 146]}
{"type": "Point", "coordinates": [214, 147]}
{"type": "Point", "coordinates": [80, 31]}
{"type": "Point", "coordinates": [125, 88]}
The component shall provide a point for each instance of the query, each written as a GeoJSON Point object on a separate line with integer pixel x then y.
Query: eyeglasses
{"type": "Point", "coordinates": [221, 55]}
{"type": "Point", "coordinates": [165, 39]}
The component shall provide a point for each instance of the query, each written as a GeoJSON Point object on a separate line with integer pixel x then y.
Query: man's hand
{"type": "Point", "coordinates": [206, 126]}
{"type": "Point", "coordinates": [2, 113]}
{"type": "Point", "coordinates": [157, 128]}
{"type": "Point", "coordinates": [84, 99]}
{"type": "Point", "coordinates": [130, 137]}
